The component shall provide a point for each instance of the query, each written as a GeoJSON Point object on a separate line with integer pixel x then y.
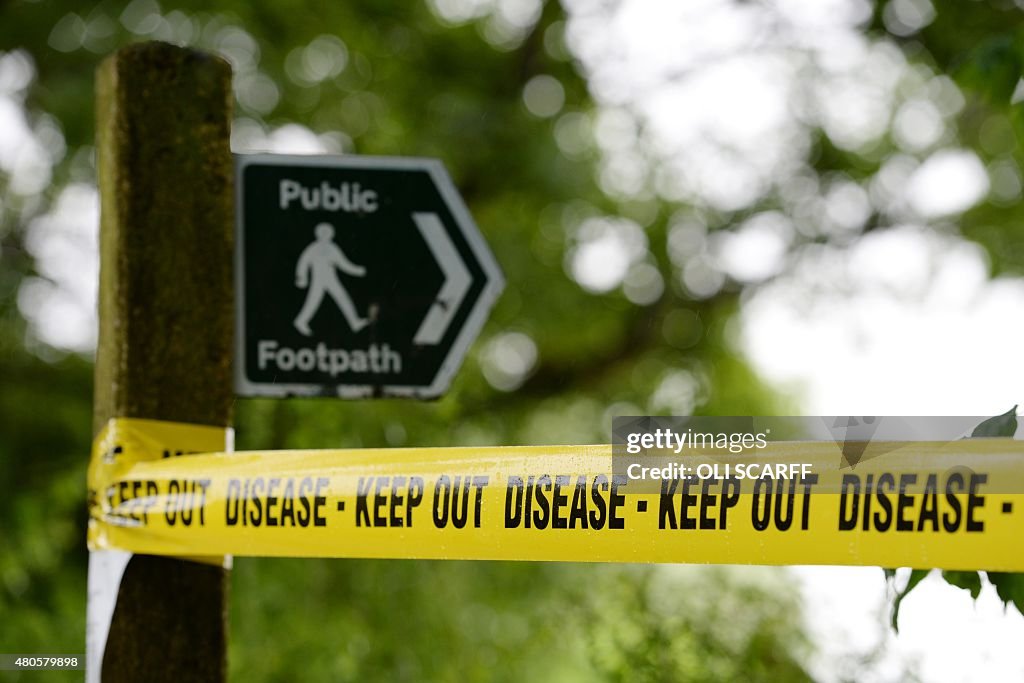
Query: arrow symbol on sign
{"type": "Point", "coordinates": [456, 283]}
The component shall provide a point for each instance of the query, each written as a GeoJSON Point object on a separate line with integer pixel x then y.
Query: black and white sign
{"type": "Point", "coordinates": [356, 277]}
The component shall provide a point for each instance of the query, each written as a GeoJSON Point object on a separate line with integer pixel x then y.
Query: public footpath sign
{"type": "Point", "coordinates": [357, 277]}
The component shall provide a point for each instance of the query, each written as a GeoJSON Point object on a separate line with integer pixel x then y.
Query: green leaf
{"type": "Point", "coordinates": [970, 581]}
{"type": "Point", "coordinates": [1000, 425]}
{"type": "Point", "coordinates": [916, 576]}
{"type": "Point", "coordinates": [1009, 587]}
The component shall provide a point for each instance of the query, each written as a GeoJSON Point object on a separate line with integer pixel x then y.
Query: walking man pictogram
{"type": "Point", "coordinates": [315, 269]}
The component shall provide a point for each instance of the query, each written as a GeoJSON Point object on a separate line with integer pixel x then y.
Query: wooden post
{"type": "Point", "coordinates": [166, 320]}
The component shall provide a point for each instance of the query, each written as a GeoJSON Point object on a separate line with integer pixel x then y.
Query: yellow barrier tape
{"type": "Point", "coordinates": [917, 505]}
{"type": "Point", "coordinates": [124, 443]}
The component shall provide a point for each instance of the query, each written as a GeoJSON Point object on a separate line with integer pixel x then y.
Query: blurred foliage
{"type": "Point", "coordinates": [981, 46]}
{"type": "Point", "coordinates": [457, 621]}
{"type": "Point", "coordinates": [44, 409]}
{"type": "Point", "coordinates": [396, 77]}
{"type": "Point", "coordinates": [412, 86]}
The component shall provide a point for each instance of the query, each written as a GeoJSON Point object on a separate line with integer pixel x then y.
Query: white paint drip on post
{"type": "Point", "coordinates": [106, 567]}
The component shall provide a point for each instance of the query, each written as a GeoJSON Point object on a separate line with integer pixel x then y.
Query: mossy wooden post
{"type": "Point", "coordinates": [166, 320]}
